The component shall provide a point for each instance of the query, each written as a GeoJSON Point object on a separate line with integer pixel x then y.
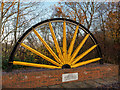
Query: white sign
{"type": "Point", "coordinates": [69, 77]}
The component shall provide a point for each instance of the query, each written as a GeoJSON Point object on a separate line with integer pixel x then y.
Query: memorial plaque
{"type": "Point", "coordinates": [69, 77]}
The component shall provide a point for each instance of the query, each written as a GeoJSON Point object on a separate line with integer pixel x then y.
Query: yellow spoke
{"type": "Point", "coordinates": [56, 43]}
{"type": "Point", "coordinates": [78, 48]}
{"type": "Point", "coordinates": [83, 54]}
{"type": "Point", "coordinates": [34, 65]}
{"type": "Point", "coordinates": [72, 42]}
{"type": "Point", "coordinates": [64, 43]}
{"type": "Point", "coordinates": [47, 46]}
{"type": "Point", "coordinates": [39, 54]}
{"type": "Point", "coordinates": [85, 62]}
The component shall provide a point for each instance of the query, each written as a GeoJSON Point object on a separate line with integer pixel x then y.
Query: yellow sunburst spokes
{"type": "Point", "coordinates": [83, 54]}
{"type": "Point", "coordinates": [64, 43]}
{"type": "Point", "coordinates": [34, 65]}
{"type": "Point", "coordinates": [73, 41]}
{"type": "Point", "coordinates": [64, 57]}
{"type": "Point", "coordinates": [85, 62]}
{"type": "Point", "coordinates": [48, 48]}
{"type": "Point", "coordinates": [56, 43]}
{"type": "Point", "coordinates": [39, 54]}
{"type": "Point", "coordinates": [78, 48]}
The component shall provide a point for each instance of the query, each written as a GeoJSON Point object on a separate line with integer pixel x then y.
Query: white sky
{"type": "Point", "coordinates": [63, 0]}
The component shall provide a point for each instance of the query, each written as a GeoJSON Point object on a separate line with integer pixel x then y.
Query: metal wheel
{"type": "Point", "coordinates": [68, 45]}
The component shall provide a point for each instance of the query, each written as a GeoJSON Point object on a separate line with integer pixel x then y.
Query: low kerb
{"type": "Point", "coordinates": [44, 77]}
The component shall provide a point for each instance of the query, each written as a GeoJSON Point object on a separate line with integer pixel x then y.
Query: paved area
{"type": "Point", "coordinates": [111, 82]}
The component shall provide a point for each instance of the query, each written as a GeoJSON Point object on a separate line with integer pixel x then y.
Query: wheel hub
{"type": "Point", "coordinates": [66, 66]}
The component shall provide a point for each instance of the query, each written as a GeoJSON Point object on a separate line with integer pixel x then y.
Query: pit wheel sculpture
{"type": "Point", "coordinates": [66, 56]}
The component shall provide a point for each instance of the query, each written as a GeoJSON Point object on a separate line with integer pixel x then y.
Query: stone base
{"type": "Point", "coordinates": [38, 78]}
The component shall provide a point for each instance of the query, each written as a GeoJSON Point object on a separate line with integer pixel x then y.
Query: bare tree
{"type": "Point", "coordinates": [82, 12]}
{"type": "Point", "coordinates": [19, 13]}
